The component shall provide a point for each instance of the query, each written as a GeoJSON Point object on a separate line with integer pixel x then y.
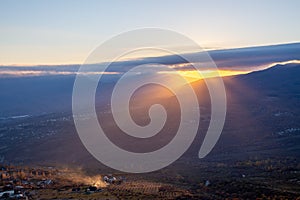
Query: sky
{"type": "Point", "coordinates": [65, 31]}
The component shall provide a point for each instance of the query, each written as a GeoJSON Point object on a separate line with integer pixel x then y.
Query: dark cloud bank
{"type": "Point", "coordinates": [242, 59]}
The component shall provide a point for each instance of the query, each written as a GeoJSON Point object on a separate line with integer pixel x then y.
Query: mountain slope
{"type": "Point", "coordinates": [262, 121]}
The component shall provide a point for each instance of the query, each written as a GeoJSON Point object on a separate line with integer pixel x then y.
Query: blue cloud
{"type": "Point", "coordinates": [250, 58]}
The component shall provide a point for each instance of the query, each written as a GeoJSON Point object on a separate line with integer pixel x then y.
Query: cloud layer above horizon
{"type": "Point", "coordinates": [241, 59]}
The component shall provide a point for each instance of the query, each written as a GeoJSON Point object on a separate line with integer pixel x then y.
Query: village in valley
{"type": "Point", "coordinates": [50, 183]}
{"type": "Point", "coordinates": [19, 183]}
{"type": "Point", "coordinates": [239, 180]}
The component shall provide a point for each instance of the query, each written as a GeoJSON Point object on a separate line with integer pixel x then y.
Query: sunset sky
{"type": "Point", "coordinates": [65, 32]}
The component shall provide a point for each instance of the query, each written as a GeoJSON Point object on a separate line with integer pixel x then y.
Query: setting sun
{"type": "Point", "coordinates": [192, 75]}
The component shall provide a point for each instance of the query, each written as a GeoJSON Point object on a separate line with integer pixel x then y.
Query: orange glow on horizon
{"type": "Point", "coordinates": [193, 75]}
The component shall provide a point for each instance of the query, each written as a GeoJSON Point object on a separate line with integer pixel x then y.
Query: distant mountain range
{"type": "Point", "coordinates": [36, 125]}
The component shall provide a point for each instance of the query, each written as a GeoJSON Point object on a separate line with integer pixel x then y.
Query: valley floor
{"type": "Point", "coordinates": [251, 179]}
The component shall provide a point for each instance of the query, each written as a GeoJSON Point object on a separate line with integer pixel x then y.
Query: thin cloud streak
{"type": "Point", "coordinates": [21, 73]}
